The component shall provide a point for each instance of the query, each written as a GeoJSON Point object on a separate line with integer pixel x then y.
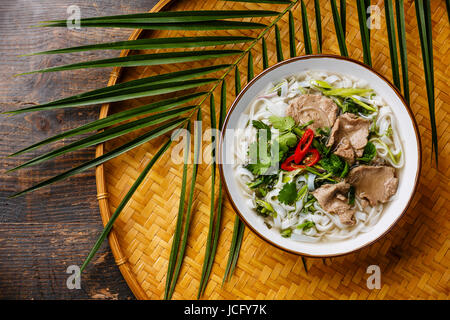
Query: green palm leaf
{"type": "Point", "coordinates": [232, 251]}
{"type": "Point", "coordinates": [123, 203]}
{"type": "Point", "coordinates": [107, 156]}
{"type": "Point", "coordinates": [174, 16]}
{"type": "Point", "coordinates": [250, 68]}
{"type": "Point", "coordinates": [209, 255]}
{"type": "Point", "coordinates": [305, 28]}
{"type": "Point", "coordinates": [240, 236]}
{"type": "Point", "coordinates": [318, 26]}
{"type": "Point", "coordinates": [263, 1]}
{"type": "Point", "coordinates": [292, 48]}
{"type": "Point", "coordinates": [179, 223]}
{"type": "Point", "coordinates": [392, 41]}
{"type": "Point", "coordinates": [427, 56]}
{"type": "Point", "coordinates": [107, 135]}
{"type": "Point", "coordinates": [447, 5]}
{"type": "Point", "coordinates": [367, 5]}
{"type": "Point", "coordinates": [365, 39]}
{"type": "Point", "coordinates": [114, 119]}
{"type": "Point", "coordinates": [238, 228]}
{"type": "Point", "coordinates": [182, 249]}
{"type": "Point", "coordinates": [428, 25]}
{"type": "Point", "coordinates": [400, 13]}
{"type": "Point", "coordinates": [154, 43]}
{"type": "Point", "coordinates": [278, 44]}
{"type": "Point", "coordinates": [343, 9]}
{"type": "Point", "coordinates": [305, 265]}
{"type": "Point", "coordinates": [265, 56]}
{"type": "Point", "coordinates": [188, 26]}
{"type": "Point", "coordinates": [144, 60]}
{"type": "Point", "coordinates": [339, 30]}
{"type": "Point", "coordinates": [132, 89]}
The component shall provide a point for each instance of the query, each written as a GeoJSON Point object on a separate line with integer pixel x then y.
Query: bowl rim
{"type": "Point", "coordinates": [320, 56]}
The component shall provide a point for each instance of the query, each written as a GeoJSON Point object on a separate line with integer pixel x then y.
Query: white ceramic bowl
{"type": "Point", "coordinates": [407, 127]}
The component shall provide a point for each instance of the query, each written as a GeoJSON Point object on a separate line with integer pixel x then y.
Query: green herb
{"type": "Point", "coordinates": [388, 132]}
{"type": "Point", "coordinates": [345, 171]}
{"type": "Point", "coordinates": [365, 106]}
{"type": "Point", "coordinates": [265, 205]}
{"type": "Point", "coordinates": [369, 153]}
{"type": "Point", "coordinates": [303, 126]}
{"type": "Point", "coordinates": [287, 140]}
{"type": "Point", "coordinates": [351, 196]}
{"type": "Point", "coordinates": [321, 84]}
{"type": "Point", "coordinates": [276, 87]}
{"type": "Point", "coordinates": [310, 200]}
{"type": "Point", "coordinates": [258, 168]}
{"type": "Point", "coordinates": [286, 233]}
{"type": "Point", "coordinates": [259, 151]}
{"type": "Point", "coordinates": [317, 173]}
{"type": "Point", "coordinates": [321, 147]}
{"type": "Point", "coordinates": [288, 193]}
{"type": "Point", "coordinates": [325, 131]}
{"type": "Point", "coordinates": [306, 225]}
{"type": "Point", "coordinates": [394, 158]}
{"type": "Point", "coordinates": [302, 192]}
{"type": "Point", "coordinates": [261, 192]}
{"type": "Point", "coordinates": [355, 106]}
{"type": "Point", "coordinates": [333, 164]}
{"type": "Point", "coordinates": [264, 208]}
{"type": "Point", "coordinates": [262, 126]}
{"type": "Point", "coordinates": [282, 123]}
{"type": "Point", "coordinates": [298, 131]}
{"type": "Point", "coordinates": [266, 181]}
{"type": "Point", "coordinates": [347, 92]}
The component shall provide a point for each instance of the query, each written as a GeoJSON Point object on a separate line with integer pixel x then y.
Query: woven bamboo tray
{"type": "Point", "coordinates": [414, 257]}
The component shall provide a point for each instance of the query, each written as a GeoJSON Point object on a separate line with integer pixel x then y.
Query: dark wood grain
{"type": "Point", "coordinates": [42, 233]}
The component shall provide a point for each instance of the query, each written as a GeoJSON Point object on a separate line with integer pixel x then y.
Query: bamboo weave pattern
{"type": "Point", "coordinates": [414, 257]}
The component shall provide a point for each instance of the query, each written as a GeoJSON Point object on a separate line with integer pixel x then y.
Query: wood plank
{"type": "Point", "coordinates": [41, 233]}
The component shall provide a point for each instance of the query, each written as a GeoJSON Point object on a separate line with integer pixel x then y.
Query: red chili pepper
{"type": "Point", "coordinates": [303, 145]}
{"type": "Point", "coordinates": [287, 164]}
{"type": "Point", "coordinates": [310, 160]}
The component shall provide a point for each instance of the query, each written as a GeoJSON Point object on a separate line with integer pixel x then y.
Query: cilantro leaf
{"type": "Point", "coordinates": [282, 123]}
{"type": "Point", "coordinates": [258, 168]}
{"type": "Point", "coordinates": [287, 139]}
{"type": "Point", "coordinates": [288, 193]}
{"type": "Point", "coordinates": [284, 142]}
{"type": "Point", "coordinates": [259, 161]}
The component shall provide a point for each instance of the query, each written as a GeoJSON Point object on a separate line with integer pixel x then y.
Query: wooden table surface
{"type": "Point", "coordinates": [44, 232]}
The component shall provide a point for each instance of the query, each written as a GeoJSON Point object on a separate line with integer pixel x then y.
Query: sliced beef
{"type": "Point", "coordinates": [373, 183]}
{"type": "Point", "coordinates": [349, 136]}
{"type": "Point", "coordinates": [307, 107]}
{"type": "Point", "coordinates": [333, 199]}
